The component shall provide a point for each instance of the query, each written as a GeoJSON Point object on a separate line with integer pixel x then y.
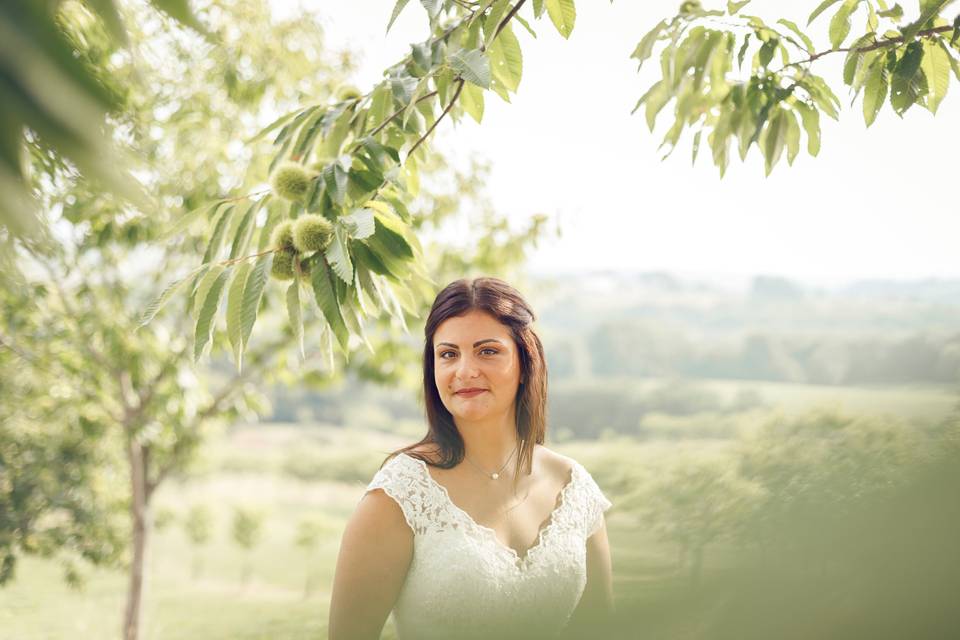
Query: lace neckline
{"type": "Point", "coordinates": [537, 546]}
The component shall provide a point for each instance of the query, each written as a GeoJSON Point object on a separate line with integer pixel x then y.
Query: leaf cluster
{"type": "Point", "coordinates": [777, 96]}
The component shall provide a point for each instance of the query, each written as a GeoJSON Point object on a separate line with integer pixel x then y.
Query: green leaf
{"type": "Point", "coordinates": [433, 8]}
{"type": "Point", "coordinates": [765, 55]}
{"type": "Point", "coordinates": [397, 8]}
{"type": "Point", "coordinates": [471, 98]}
{"type": "Point", "coordinates": [696, 146]}
{"type": "Point", "coordinates": [775, 140]}
{"type": "Point", "coordinates": [208, 309]}
{"type": "Point", "coordinates": [840, 23]}
{"type": "Point", "coordinates": [950, 59]}
{"type": "Point", "coordinates": [492, 19]}
{"type": "Point", "coordinates": [180, 11]}
{"type": "Point", "coordinates": [296, 316]}
{"type": "Point", "coordinates": [656, 99]}
{"type": "Point", "coordinates": [234, 304]}
{"type": "Point", "coordinates": [216, 238]}
{"type": "Point", "coordinates": [326, 298]}
{"type": "Point", "coordinates": [928, 10]}
{"type": "Point", "coordinates": [241, 238]}
{"type": "Point", "coordinates": [506, 59]}
{"type": "Point", "coordinates": [903, 89]}
{"type": "Point", "coordinates": [537, 8]}
{"type": "Point", "coordinates": [188, 218]}
{"type": "Point", "coordinates": [336, 180]}
{"type": "Point", "coordinates": [282, 120]}
{"type": "Point", "coordinates": [800, 34]}
{"type": "Point", "coordinates": [894, 13]}
{"type": "Point", "coordinates": [811, 125]}
{"type": "Point", "coordinates": [194, 284]}
{"type": "Point", "coordinates": [936, 68]}
{"type": "Point", "coordinates": [733, 7]}
{"type": "Point", "coordinates": [203, 286]}
{"type": "Point", "coordinates": [359, 223]}
{"type": "Point", "coordinates": [154, 307]}
{"type": "Point", "coordinates": [855, 58]}
{"type": "Point", "coordinates": [792, 136]}
{"type": "Point", "coordinates": [563, 14]}
{"type": "Point", "coordinates": [743, 51]}
{"type": "Point", "coordinates": [252, 292]}
{"type": "Point", "coordinates": [822, 95]}
{"type": "Point", "coordinates": [526, 25]}
{"type": "Point", "coordinates": [338, 257]}
{"type": "Point", "coordinates": [473, 66]}
{"type": "Point", "coordinates": [823, 6]}
{"type": "Point", "coordinates": [875, 90]}
{"type": "Point", "coordinates": [645, 46]}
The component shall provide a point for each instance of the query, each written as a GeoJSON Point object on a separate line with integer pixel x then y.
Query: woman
{"type": "Point", "coordinates": [478, 530]}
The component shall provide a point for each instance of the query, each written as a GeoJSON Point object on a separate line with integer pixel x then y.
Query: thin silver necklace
{"type": "Point", "coordinates": [495, 474]}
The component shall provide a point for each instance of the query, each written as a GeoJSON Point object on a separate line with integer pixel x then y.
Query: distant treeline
{"type": "Point", "coordinates": [638, 348]}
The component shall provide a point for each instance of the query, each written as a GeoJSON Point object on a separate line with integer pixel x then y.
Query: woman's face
{"type": "Point", "coordinates": [475, 351]}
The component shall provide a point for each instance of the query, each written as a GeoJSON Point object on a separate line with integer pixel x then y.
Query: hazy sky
{"type": "Point", "coordinates": [874, 203]}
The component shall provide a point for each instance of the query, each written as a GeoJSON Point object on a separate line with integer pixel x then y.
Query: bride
{"type": "Point", "coordinates": [478, 530]}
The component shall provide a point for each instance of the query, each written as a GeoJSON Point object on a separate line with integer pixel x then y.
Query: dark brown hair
{"type": "Point", "coordinates": [504, 303]}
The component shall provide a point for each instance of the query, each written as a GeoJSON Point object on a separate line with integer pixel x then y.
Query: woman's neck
{"type": "Point", "coordinates": [490, 444]}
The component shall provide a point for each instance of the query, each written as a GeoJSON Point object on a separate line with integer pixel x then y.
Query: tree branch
{"type": "Point", "coordinates": [880, 44]}
{"type": "Point", "coordinates": [396, 113]}
{"type": "Point", "coordinates": [507, 18]}
{"type": "Point", "coordinates": [257, 364]}
{"type": "Point", "coordinates": [437, 121]}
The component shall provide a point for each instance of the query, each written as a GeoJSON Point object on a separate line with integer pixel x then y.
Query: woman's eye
{"type": "Point", "coordinates": [492, 351]}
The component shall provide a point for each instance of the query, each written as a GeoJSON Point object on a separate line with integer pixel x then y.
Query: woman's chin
{"type": "Point", "coordinates": [478, 413]}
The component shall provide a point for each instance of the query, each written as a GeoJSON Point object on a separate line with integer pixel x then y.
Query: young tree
{"type": "Point", "coordinates": [84, 389]}
{"type": "Point", "coordinates": [307, 538]}
{"type": "Point", "coordinates": [64, 111]}
{"type": "Point", "coordinates": [198, 525]}
{"type": "Point", "coordinates": [247, 530]}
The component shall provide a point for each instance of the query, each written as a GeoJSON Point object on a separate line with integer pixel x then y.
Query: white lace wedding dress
{"type": "Point", "coordinates": [464, 583]}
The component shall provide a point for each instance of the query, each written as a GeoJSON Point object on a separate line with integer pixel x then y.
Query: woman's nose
{"type": "Point", "coordinates": [467, 367]}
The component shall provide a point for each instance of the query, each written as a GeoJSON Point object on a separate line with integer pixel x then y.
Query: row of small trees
{"type": "Point", "coordinates": [806, 526]}
{"type": "Point", "coordinates": [786, 483]}
{"type": "Point", "coordinates": [247, 527]}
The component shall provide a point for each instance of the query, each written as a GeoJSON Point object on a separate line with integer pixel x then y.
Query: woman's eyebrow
{"type": "Point", "coordinates": [476, 344]}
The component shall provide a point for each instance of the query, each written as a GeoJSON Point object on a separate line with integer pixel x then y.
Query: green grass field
{"type": "Point", "coordinates": [244, 467]}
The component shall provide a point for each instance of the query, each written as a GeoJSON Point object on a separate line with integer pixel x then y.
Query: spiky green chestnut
{"type": "Point", "coordinates": [347, 92]}
{"type": "Point", "coordinates": [291, 181]}
{"type": "Point", "coordinates": [282, 268]}
{"type": "Point", "coordinates": [282, 237]}
{"type": "Point", "coordinates": [312, 232]}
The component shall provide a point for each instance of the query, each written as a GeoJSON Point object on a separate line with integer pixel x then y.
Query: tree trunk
{"type": "Point", "coordinates": [138, 514]}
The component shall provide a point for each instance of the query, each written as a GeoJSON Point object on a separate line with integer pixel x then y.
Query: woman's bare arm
{"type": "Point", "coordinates": [375, 554]}
{"type": "Point", "coordinates": [595, 608]}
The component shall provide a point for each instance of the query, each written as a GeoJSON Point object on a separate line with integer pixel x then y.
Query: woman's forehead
{"type": "Point", "coordinates": [469, 327]}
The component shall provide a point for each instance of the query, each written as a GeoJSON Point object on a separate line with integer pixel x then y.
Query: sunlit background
{"type": "Point", "coordinates": [760, 373]}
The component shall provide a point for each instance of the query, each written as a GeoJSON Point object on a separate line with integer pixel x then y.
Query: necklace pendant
{"type": "Point", "coordinates": [494, 475]}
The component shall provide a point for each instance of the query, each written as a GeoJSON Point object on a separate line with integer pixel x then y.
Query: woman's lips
{"type": "Point", "coordinates": [470, 394]}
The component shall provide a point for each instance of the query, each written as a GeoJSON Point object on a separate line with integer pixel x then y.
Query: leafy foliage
{"type": "Point", "coordinates": [49, 93]}
{"type": "Point", "coordinates": [355, 162]}
{"type": "Point", "coordinates": [767, 105]}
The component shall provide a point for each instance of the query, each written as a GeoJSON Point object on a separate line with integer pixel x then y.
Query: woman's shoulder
{"type": "Point", "coordinates": [555, 463]}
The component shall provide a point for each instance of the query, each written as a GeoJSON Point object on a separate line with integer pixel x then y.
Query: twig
{"type": "Point", "coordinates": [880, 44]}
{"type": "Point", "coordinates": [396, 113]}
{"type": "Point", "coordinates": [507, 18]}
{"type": "Point", "coordinates": [437, 121]}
